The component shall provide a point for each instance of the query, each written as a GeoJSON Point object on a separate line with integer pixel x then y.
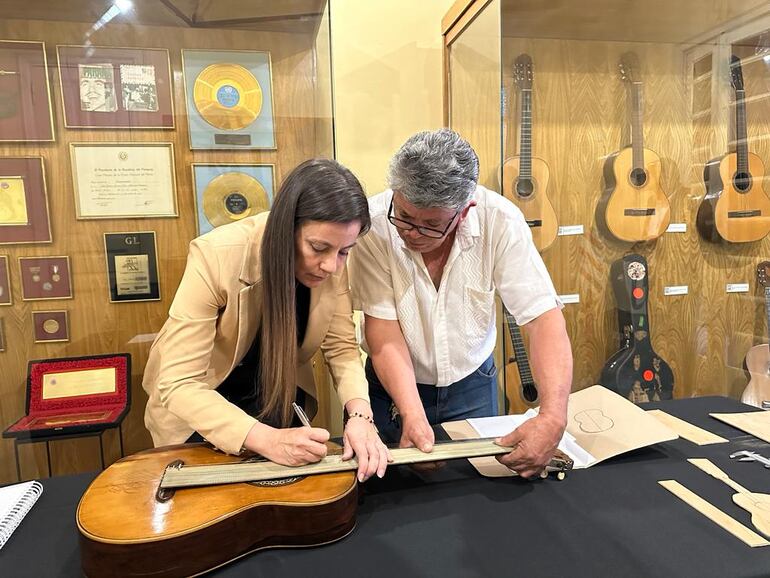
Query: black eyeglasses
{"type": "Point", "coordinates": [425, 231]}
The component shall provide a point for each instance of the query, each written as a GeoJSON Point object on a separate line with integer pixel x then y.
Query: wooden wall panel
{"type": "Point", "coordinates": [96, 326]}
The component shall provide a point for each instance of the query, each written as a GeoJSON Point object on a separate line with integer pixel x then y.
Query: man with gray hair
{"type": "Point", "coordinates": [425, 278]}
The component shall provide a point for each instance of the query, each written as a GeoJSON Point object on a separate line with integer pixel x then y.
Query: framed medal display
{"type": "Point", "coordinates": [45, 278]}
{"type": "Point", "coordinates": [50, 326]}
{"type": "Point", "coordinates": [5, 282]}
{"type": "Point", "coordinates": [132, 266]}
{"type": "Point", "coordinates": [25, 95]}
{"type": "Point", "coordinates": [225, 193]}
{"type": "Point", "coordinates": [23, 201]}
{"type": "Point", "coordinates": [229, 99]}
{"type": "Point", "coordinates": [107, 87]}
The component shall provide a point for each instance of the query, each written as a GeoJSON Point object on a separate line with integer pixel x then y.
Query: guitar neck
{"type": "Point", "coordinates": [741, 136]}
{"type": "Point", "coordinates": [637, 124]}
{"type": "Point", "coordinates": [522, 362]}
{"type": "Point", "coordinates": [190, 476]}
{"type": "Point", "coordinates": [767, 308]}
{"type": "Point", "coordinates": [525, 137]}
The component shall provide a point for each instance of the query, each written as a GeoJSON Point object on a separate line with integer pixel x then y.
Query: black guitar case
{"type": "Point", "coordinates": [635, 371]}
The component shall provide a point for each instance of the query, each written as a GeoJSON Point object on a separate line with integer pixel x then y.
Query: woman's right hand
{"type": "Point", "coordinates": [294, 446]}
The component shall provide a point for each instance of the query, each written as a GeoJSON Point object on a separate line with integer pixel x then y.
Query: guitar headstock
{"type": "Point", "coordinates": [629, 68]}
{"type": "Point", "coordinates": [763, 274]}
{"type": "Point", "coordinates": [736, 74]}
{"type": "Point", "coordinates": [522, 72]}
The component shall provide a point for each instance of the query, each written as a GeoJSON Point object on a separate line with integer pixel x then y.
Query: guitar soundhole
{"type": "Point", "coordinates": [529, 393]}
{"type": "Point", "coordinates": [742, 182]}
{"type": "Point", "coordinates": [525, 188]}
{"type": "Point", "coordinates": [638, 177]}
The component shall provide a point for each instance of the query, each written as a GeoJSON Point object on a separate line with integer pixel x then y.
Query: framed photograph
{"type": "Point", "coordinates": [50, 326]}
{"type": "Point", "coordinates": [23, 201]}
{"type": "Point", "coordinates": [5, 282]}
{"type": "Point", "coordinates": [132, 266]}
{"type": "Point", "coordinates": [25, 95]}
{"type": "Point", "coordinates": [45, 278]}
{"type": "Point", "coordinates": [109, 87]}
{"type": "Point", "coordinates": [225, 193]}
{"type": "Point", "coordinates": [123, 180]}
{"type": "Point", "coordinates": [229, 98]}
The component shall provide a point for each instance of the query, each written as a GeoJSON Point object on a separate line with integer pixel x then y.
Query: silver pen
{"type": "Point", "coordinates": [300, 414]}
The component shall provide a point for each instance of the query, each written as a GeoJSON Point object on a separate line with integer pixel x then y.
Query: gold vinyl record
{"type": "Point", "coordinates": [227, 96]}
{"type": "Point", "coordinates": [233, 196]}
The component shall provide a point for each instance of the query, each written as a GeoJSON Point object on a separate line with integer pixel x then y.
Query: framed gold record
{"type": "Point", "coordinates": [229, 99]}
{"type": "Point", "coordinates": [227, 96]}
{"type": "Point", "coordinates": [233, 196]}
{"type": "Point", "coordinates": [228, 192]}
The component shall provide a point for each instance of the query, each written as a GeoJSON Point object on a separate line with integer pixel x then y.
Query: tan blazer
{"type": "Point", "coordinates": [211, 324]}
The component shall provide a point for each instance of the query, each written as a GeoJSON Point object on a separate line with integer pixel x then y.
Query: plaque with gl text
{"type": "Point", "coordinates": [132, 266]}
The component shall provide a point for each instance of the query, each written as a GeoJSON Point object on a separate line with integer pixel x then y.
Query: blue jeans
{"type": "Point", "coordinates": [473, 396]}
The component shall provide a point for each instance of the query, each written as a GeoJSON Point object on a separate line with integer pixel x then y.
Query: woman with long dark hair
{"type": "Point", "coordinates": [259, 297]}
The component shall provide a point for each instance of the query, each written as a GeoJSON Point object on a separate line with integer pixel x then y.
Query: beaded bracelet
{"type": "Point", "coordinates": [366, 417]}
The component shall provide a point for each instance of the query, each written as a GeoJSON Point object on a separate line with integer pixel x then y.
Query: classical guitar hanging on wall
{"type": "Point", "coordinates": [736, 208]}
{"type": "Point", "coordinates": [525, 178]}
{"type": "Point", "coordinates": [520, 387]}
{"type": "Point", "coordinates": [758, 357]}
{"type": "Point", "coordinates": [636, 372]}
{"type": "Point", "coordinates": [633, 207]}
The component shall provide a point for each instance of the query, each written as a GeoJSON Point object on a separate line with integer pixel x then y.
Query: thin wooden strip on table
{"type": "Point", "coordinates": [714, 514]}
{"type": "Point", "coordinates": [756, 423]}
{"type": "Point", "coordinates": [687, 430]}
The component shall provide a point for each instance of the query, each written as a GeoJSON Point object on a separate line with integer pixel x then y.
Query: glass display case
{"type": "Point", "coordinates": [128, 128]}
{"type": "Point", "coordinates": [634, 138]}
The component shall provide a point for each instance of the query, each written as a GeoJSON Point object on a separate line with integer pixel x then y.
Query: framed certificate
{"type": "Point", "coordinates": [5, 282]}
{"type": "Point", "coordinates": [225, 193]}
{"type": "Point", "coordinates": [132, 266]}
{"type": "Point", "coordinates": [25, 95]}
{"type": "Point", "coordinates": [45, 278]}
{"type": "Point", "coordinates": [23, 201]}
{"type": "Point", "coordinates": [50, 326]}
{"type": "Point", "coordinates": [108, 87]}
{"type": "Point", "coordinates": [123, 180]}
{"type": "Point", "coordinates": [229, 99]}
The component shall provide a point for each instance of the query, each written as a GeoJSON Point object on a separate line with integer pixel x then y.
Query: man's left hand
{"type": "Point", "coordinates": [534, 443]}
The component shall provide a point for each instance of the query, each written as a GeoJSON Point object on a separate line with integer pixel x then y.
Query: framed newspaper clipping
{"type": "Point", "coordinates": [108, 87]}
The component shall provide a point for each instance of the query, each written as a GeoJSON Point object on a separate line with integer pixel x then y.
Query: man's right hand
{"type": "Point", "coordinates": [416, 432]}
{"type": "Point", "coordinates": [294, 446]}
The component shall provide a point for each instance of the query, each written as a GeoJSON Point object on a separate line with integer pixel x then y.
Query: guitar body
{"type": "Point", "coordinates": [126, 530]}
{"type": "Point", "coordinates": [758, 364]}
{"type": "Point", "coordinates": [634, 207]}
{"type": "Point", "coordinates": [729, 214]}
{"type": "Point", "coordinates": [520, 388]}
{"type": "Point", "coordinates": [532, 199]}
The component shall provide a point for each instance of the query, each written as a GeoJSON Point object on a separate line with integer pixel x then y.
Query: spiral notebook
{"type": "Point", "coordinates": [15, 502]}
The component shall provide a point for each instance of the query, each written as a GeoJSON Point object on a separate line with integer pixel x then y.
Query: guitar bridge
{"type": "Point", "coordinates": [535, 222]}
{"type": "Point", "coordinates": [638, 212]}
{"type": "Point", "coordinates": [744, 214]}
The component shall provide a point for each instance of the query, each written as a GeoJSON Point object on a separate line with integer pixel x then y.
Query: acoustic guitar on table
{"type": "Point", "coordinates": [736, 208]}
{"type": "Point", "coordinates": [758, 357]}
{"type": "Point", "coordinates": [184, 510]}
{"type": "Point", "coordinates": [520, 387]}
{"type": "Point", "coordinates": [633, 207]}
{"type": "Point", "coordinates": [525, 178]}
{"type": "Point", "coordinates": [636, 372]}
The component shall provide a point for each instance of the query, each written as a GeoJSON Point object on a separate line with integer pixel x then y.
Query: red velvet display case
{"type": "Point", "coordinates": [75, 395]}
